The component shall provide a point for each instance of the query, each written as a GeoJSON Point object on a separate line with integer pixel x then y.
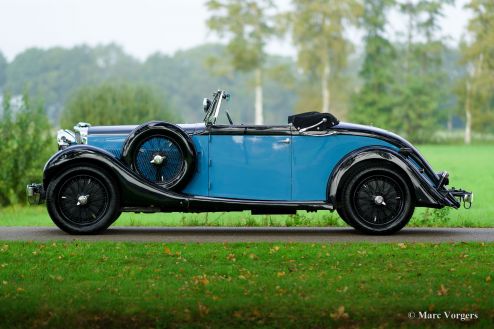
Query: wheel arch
{"type": "Point", "coordinates": [423, 193]}
{"type": "Point", "coordinates": [134, 190]}
{"type": "Point", "coordinates": [148, 129]}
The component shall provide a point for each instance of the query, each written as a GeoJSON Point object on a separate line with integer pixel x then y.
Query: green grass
{"type": "Point", "coordinates": [470, 167]}
{"type": "Point", "coordinates": [123, 285]}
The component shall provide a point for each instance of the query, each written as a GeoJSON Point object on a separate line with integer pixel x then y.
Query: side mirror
{"type": "Point", "coordinates": [206, 103]}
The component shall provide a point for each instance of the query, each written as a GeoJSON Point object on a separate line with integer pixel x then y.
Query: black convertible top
{"type": "Point", "coordinates": [307, 119]}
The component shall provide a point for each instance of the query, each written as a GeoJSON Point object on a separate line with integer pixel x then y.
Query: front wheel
{"type": "Point", "coordinates": [377, 200]}
{"type": "Point", "coordinates": [83, 200]}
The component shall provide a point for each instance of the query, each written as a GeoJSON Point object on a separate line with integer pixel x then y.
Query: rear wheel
{"type": "Point", "coordinates": [83, 200]}
{"type": "Point", "coordinates": [376, 200]}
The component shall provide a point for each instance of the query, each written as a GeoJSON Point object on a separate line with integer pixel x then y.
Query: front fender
{"type": "Point", "coordinates": [135, 191]}
{"type": "Point", "coordinates": [425, 193]}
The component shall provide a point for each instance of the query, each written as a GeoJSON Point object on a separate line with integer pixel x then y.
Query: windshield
{"type": "Point", "coordinates": [214, 109]}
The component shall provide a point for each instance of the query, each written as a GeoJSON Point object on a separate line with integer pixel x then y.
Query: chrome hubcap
{"type": "Point", "coordinates": [158, 159]}
{"type": "Point", "coordinates": [82, 200]}
{"type": "Point", "coordinates": [379, 200]}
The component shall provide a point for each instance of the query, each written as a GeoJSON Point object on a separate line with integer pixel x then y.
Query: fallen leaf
{"type": "Point", "coordinates": [280, 274]}
{"type": "Point", "coordinates": [231, 257]}
{"type": "Point", "coordinates": [343, 290]}
{"type": "Point", "coordinates": [56, 277]}
{"type": "Point", "coordinates": [200, 279]}
{"type": "Point", "coordinates": [488, 279]}
{"type": "Point", "coordinates": [167, 250]}
{"type": "Point", "coordinates": [402, 245]}
{"type": "Point", "coordinates": [443, 291]}
{"type": "Point", "coordinates": [203, 309]}
{"type": "Point", "coordinates": [256, 313]}
{"type": "Point", "coordinates": [339, 314]}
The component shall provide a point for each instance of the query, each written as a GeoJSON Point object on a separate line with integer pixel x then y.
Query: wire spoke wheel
{"type": "Point", "coordinates": [378, 200]}
{"type": "Point", "coordinates": [159, 159]}
{"type": "Point", "coordinates": [83, 200]}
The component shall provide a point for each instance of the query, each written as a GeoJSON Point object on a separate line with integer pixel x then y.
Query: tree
{"type": "Point", "coordinates": [3, 70]}
{"type": "Point", "coordinates": [247, 25]}
{"type": "Point", "coordinates": [421, 80]}
{"type": "Point", "coordinates": [27, 143]}
{"type": "Point", "coordinates": [318, 30]}
{"type": "Point", "coordinates": [55, 73]}
{"type": "Point", "coordinates": [375, 101]}
{"type": "Point", "coordinates": [478, 87]}
{"type": "Point", "coordinates": [116, 103]}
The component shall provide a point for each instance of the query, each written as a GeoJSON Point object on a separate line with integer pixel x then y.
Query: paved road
{"type": "Point", "coordinates": [250, 234]}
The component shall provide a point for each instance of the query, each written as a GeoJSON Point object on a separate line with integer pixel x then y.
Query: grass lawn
{"type": "Point", "coordinates": [123, 285]}
{"type": "Point", "coordinates": [470, 167]}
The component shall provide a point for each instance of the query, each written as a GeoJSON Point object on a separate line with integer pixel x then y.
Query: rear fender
{"type": "Point", "coordinates": [425, 193]}
{"type": "Point", "coordinates": [135, 191]}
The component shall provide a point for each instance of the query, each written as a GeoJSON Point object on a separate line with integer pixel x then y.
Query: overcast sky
{"type": "Point", "coordinates": [142, 27]}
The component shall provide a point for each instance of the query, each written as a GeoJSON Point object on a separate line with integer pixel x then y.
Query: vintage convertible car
{"type": "Point", "coordinates": [373, 178]}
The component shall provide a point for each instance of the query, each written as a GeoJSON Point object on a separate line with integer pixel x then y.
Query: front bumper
{"type": "Point", "coordinates": [35, 194]}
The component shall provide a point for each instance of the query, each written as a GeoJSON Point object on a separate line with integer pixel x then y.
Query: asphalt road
{"type": "Point", "coordinates": [250, 234]}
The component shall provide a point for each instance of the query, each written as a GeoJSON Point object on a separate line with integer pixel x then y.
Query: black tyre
{"type": "Point", "coordinates": [83, 200]}
{"type": "Point", "coordinates": [161, 153]}
{"type": "Point", "coordinates": [376, 199]}
{"type": "Point", "coordinates": [344, 217]}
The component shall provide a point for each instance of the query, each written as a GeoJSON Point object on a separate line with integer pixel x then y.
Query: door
{"type": "Point", "coordinates": [256, 167]}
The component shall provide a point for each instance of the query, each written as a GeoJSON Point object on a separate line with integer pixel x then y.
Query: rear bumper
{"type": "Point", "coordinates": [461, 196]}
{"type": "Point", "coordinates": [35, 194]}
{"type": "Point", "coordinates": [453, 197]}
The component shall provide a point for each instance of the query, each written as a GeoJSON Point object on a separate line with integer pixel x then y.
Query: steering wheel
{"type": "Point", "coordinates": [229, 118]}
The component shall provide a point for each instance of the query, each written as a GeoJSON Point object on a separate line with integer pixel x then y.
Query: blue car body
{"type": "Point", "coordinates": [259, 167]}
{"type": "Point", "coordinates": [161, 167]}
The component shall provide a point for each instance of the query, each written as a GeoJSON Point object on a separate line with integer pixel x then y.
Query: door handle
{"type": "Point", "coordinates": [285, 141]}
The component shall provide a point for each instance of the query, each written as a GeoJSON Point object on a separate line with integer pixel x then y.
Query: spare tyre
{"type": "Point", "coordinates": [161, 153]}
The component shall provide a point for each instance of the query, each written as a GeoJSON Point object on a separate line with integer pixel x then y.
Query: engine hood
{"type": "Point", "coordinates": [192, 128]}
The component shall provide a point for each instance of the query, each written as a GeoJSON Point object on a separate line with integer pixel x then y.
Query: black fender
{"type": "Point", "coordinates": [425, 193]}
{"type": "Point", "coordinates": [135, 190]}
{"type": "Point", "coordinates": [172, 131]}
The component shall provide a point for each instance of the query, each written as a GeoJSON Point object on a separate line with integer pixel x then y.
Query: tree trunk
{"type": "Point", "coordinates": [325, 87]}
{"type": "Point", "coordinates": [259, 119]}
{"type": "Point", "coordinates": [468, 115]}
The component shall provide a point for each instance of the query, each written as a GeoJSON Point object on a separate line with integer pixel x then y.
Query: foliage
{"type": "Point", "coordinates": [247, 25]}
{"type": "Point", "coordinates": [3, 70]}
{"type": "Point", "coordinates": [318, 31]}
{"type": "Point", "coordinates": [116, 103]}
{"type": "Point", "coordinates": [477, 88]}
{"type": "Point", "coordinates": [242, 285]}
{"type": "Point", "coordinates": [404, 82]}
{"type": "Point", "coordinates": [184, 77]}
{"type": "Point", "coordinates": [421, 79]}
{"type": "Point", "coordinates": [375, 101]}
{"type": "Point", "coordinates": [27, 143]}
{"type": "Point", "coordinates": [55, 73]}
